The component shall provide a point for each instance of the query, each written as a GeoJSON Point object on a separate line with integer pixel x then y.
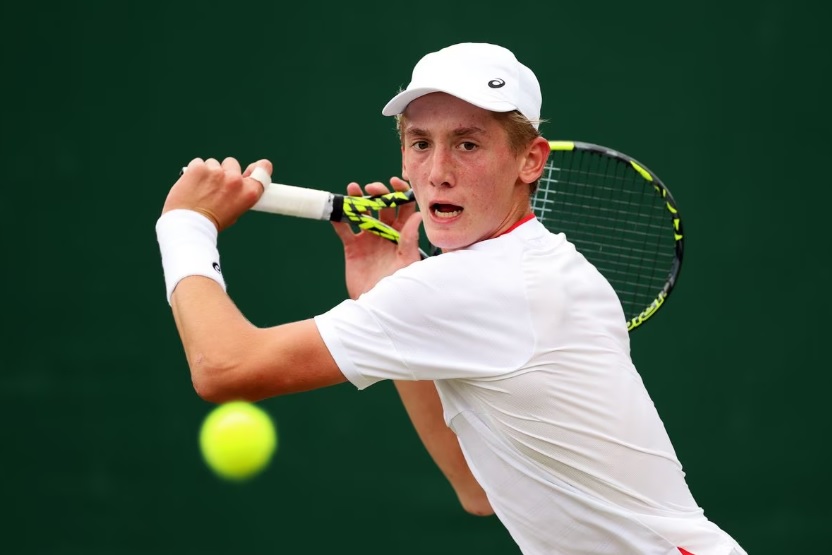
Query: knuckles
{"type": "Point", "coordinates": [252, 195]}
{"type": "Point", "coordinates": [230, 183]}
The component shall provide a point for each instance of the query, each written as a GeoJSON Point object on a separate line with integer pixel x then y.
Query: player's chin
{"type": "Point", "coordinates": [446, 239]}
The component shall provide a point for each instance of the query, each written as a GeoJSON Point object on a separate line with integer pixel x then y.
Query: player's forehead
{"type": "Point", "coordinates": [443, 114]}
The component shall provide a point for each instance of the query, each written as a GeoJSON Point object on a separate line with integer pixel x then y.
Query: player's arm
{"type": "Point", "coordinates": [421, 401]}
{"type": "Point", "coordinates": [230, 358]}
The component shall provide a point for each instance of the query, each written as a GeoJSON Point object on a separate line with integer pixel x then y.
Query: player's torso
{"type": "Point", "coordinates": [574, 409]}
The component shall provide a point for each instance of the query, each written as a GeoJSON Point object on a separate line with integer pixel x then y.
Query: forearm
{"type": "Point", "coordinates": [214, 335]}
{"type": "Point", "coordinates": [421, 401]}
{"type": "Point", "coordinates": [229, 358]}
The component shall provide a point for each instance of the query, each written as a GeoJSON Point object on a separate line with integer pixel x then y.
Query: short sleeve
{"type": "Point", "coordinates": [431, 321]}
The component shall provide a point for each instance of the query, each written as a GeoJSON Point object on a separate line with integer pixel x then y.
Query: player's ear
{"type": "Point", "coordinates": [534, 160]}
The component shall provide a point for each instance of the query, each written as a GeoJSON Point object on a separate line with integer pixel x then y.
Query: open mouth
{"type": "Point", "coordinates": [445, 210]}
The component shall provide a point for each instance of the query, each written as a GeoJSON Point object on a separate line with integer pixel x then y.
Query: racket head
{"type": "Point", "coordinates": [620, 216]}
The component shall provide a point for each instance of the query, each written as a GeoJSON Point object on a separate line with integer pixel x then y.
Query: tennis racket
{"type": "Point", "coordinates": [615, 211]}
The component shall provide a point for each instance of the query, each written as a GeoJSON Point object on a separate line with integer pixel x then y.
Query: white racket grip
{"type": "Point", "coordinates": [300, 202]}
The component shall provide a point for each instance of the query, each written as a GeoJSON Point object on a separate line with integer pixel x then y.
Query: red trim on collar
{"type": "Point", "coordinates": [516, 224]}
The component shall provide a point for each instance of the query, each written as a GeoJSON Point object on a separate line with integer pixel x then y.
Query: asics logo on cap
{"type": "Point", "coordinates": [496, 83]}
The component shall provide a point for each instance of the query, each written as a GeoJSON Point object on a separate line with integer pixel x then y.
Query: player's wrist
{"type": "Point", "coordinates": [188, 245]}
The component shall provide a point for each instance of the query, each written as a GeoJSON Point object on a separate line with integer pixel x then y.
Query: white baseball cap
{"type": "Point", "coordinates": [485, 75]}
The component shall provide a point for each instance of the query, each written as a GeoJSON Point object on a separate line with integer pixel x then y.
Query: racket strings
{"type": "Point", "coordinates": [614, 217]}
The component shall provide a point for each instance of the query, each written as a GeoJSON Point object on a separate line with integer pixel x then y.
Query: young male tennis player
{"type": "Point", "coordinates": [509, 350]}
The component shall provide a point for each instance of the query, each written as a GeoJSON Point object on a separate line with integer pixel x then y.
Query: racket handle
{"type": "Point", "coordinates": [300, 202]}
{"type": "Point", "coordinates": [289, 200]}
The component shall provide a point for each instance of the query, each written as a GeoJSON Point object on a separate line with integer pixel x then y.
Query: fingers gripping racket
{"type": "Point", "coordinates": [289, 200]}
{"type": "Point", "coordinates": [615, 211]}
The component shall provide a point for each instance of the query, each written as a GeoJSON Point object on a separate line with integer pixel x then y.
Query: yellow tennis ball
{"type": "Point", "coordinates": [237, 440]}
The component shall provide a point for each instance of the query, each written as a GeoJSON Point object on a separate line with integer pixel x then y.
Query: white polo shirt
{"type": "Point", "coordinates": [528, 347]}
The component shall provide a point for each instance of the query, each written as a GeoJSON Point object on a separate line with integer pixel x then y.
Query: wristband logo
{"type": "Point", "coordinates": [217, 267]}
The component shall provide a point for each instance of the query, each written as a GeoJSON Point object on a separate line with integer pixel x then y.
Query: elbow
{"type": "Point", "coordinates": [475, 503]}
{"type": "Point", "coordinates": [214, 381]}
{"type": "Point", "coordinates": [238, 377]}
{"type": "Point", "coordinates": [207, 386]}
{"type": "Point", "coordinates": [235, 364]}
{"type": "Point", "coordinates": [209, 391]}
{"type": "Point", "coordinates": [478, 509]}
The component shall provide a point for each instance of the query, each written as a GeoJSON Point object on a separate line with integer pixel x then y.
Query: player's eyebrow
{"type": "Point", "coordinates": [472, 130]}
{"type": "Point", "coordinates": [458, 132]}
{"type": "Point", "coordinates": [411, 131]}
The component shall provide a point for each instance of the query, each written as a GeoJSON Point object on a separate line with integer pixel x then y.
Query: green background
{"type": "Point", "coordinates": [104, 102]}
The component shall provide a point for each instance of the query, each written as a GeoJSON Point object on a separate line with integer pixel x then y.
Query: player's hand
{"type": "Point", "coordinates": [219, 191]}
{"type": "Point", "coordinates": [367, 256]}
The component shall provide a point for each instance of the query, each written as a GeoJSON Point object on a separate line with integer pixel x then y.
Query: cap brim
{"type": "Point", "coordinates": [399, 102]}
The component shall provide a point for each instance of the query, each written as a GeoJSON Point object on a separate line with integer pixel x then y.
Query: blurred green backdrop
{"type": "Point", "coordinates": [103, 102]}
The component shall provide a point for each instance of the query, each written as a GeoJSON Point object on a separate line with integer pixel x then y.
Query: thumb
{"type": "Point", "coordinates": [409, 236]}
{"type": "Point", "coordinates": [258, 178]}
{"type": "Point", "coordinates": [261, 174]}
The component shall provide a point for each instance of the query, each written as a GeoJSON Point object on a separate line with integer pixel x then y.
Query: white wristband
{"type": "Point", "coordinates": [188, 243]}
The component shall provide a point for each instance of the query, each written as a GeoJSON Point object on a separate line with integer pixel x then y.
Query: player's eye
{"type": "Point", "coordinates": [420, 145]}
{"type": "Point", "coordinates": [468, 146]}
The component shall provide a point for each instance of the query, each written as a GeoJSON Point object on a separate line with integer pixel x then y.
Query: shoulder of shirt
{"type": "Point", "coordinates": [468, 258]}
{"type": "Point", "coordinates": [531, 230]}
